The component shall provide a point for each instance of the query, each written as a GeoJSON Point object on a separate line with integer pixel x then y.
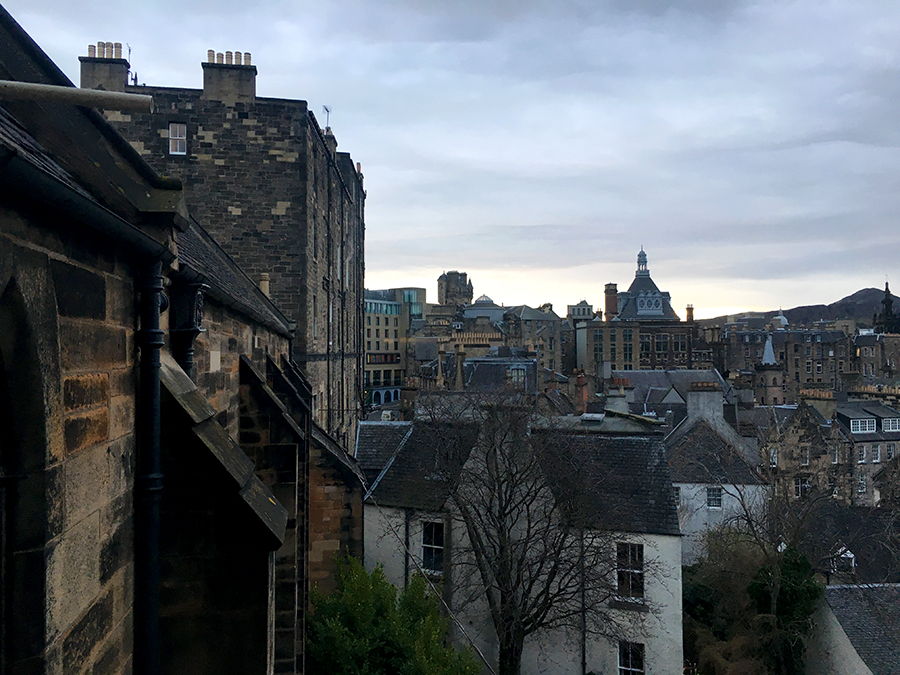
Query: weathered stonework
{"type": "Point", "coordinates": [294, 210]}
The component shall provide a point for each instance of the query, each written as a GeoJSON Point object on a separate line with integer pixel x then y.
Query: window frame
{"type": "Point", "coordinates": [714, 497]}
{"type": "Point", "coordinates": [433, 552]}
{"type": "Point", "coordinates": [630, 571]}
{"type": "Point", "coordinates": [177, 126]}
{"type": "Point", "coordinates": [632, 658]}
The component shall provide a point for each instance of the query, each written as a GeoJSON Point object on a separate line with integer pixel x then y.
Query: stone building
{"type": "Point", "coordinates": [640, 331]}
{"type": "Point", "coordinates": [454, 289]}
{"type": "Point", "coordinates": [167, 496]}
{"type": "Point", "coordinates": [268, 182]}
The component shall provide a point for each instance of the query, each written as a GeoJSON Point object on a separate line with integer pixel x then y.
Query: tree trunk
{"type": "Point", "coordinates": [511, 643]}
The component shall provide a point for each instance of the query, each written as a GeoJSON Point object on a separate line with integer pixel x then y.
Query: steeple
{"type": "Point", "coordinates": [769, 353]}
{"type": "Point", "coordinates": [642, 270]}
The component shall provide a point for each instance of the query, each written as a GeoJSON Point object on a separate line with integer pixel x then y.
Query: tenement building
{"type": "Point", "coordinates": [267, 181]}
{"type": "Point", "coordinates": [166, 499]}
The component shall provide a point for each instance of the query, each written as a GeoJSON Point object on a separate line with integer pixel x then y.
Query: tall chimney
{"type": "Point", "coordinates": [690, 313]}
{"type": "Point", "coordinates": [104, 67]}
{"type": "Point", "coordinates": [612, 301]}
{"type": "Point", "coordinates": [228, 79]}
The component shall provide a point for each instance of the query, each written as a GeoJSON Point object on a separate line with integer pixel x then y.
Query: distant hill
{"type": "Point", "coordinates": [860, 306]}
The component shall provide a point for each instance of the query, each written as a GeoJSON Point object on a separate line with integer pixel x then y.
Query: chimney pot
{"type": "Point", "coordinates": [210, 56]}
{"type": "Point", "coordinates": [220, 57]}
{"type": "Point", "coordinates": [264, 283]}
{"type": "Point", "coordinates": [117, 50]}
{"type": "Point", "coordinates": [109, 50]}
{"type": "Point", "coordinates": [92, 51]}
{"type": "Point", "coordinates": [228, 60]}
{"type": "Point", "coordinates": [246, 58]}
{"type": "Point", "coordinates": [237, 58]}
{"type": "Point", "coordinates": [101, 50]}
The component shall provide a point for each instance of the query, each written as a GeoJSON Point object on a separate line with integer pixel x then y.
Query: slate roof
{"type": "Point", "coordinates": [420, 466]}
{"type": "Point", "coordinates": [15, 138]}
{"type": "Point", "coordinates": [870, 616]}
{"type": "Point", "coordinates": [200, 254]}
{"type": "Point", "coordinates": [623, 483]}
{"type": "Point", "coordinates": [527, 313]}
{"type": "Point", "coordinates": [863, 531]}
{"type": "Point", "coordinates": [681, 380]}
{"type": "Point", "coordinates": [701, 455]}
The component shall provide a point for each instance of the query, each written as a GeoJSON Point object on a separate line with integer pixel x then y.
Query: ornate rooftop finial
{"type": "Point", "coordinates": [642, 270]}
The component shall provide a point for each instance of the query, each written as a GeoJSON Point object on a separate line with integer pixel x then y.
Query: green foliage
{"type": "Point", "coordinates": [364, 628]}
{"type": "Point", "coordinates": [746, 614]}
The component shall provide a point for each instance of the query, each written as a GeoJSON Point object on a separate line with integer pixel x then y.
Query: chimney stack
{"type": "Point", "coordinates": [264, 283]}
{"type": "Point", "coordinates": [612, 301]}
{"type": "Point", "coordinates": [104, 67]}
{"type": "Point", "coordinates": [690, 313]}
{"type": "Point", "coordinates": [229, 77]}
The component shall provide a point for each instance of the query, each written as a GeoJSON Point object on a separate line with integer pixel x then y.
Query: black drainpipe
{"type": "Point", "coordinates": [149, 480]}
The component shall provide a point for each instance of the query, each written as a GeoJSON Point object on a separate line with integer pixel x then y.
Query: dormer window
{"type": "Point", "coordinates": [864, 426]}
{"type": "Point", "coordinates": [890, 424]}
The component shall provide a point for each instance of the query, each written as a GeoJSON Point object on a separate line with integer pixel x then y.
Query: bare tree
{"type": "Point", "coordinates": [540, 550]}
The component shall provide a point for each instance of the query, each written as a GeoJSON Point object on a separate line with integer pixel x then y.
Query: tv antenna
{"type": "Point", "coordinates": [327, 111]}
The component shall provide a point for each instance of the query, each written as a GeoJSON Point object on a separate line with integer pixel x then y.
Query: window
{"type": "Point", "coordinates": [773, 457]}
{"type": "Point", "coordinates": [804, 457]}
{"type": "Point", "coordinates": [862, 426]}
{"type": "Point", "coordinates": [679, 342]}
{"type": "Point", "coordinates": [835, 458]}
{"type": "Point", "coordinates": [631, 658]}
{"type": "Point", "coordinates": [876, 453]}
{"type": "Point", "coordinates": [861, 483]}
{"type": "Point", "coordinates": [801, 486]}
{"type": "Point", "coordinates": [433, 547]}
{"type": "Point", "coordinates": [177, 138]}
{"type": "Point", "coordinates": [662, 343]}
{"type": "Point", "coordinates": [861, 455]}
{"type": "Point", "coordinates": [677, 490]}
{"type": "Point", "coordinates": [890, 424]}
{"type": "Point", "coordinates": [889, 452]}
{"type": "Point", "coordinates": [396, 345]}
{"type": "Point", "coordinates": [714, 497]}
{"type": "Point", "coordinates": [645, 344]}
{"type": "Point", "coordinates": [630, 570]}
{"type": "Point", "coordinates": [396, 323]}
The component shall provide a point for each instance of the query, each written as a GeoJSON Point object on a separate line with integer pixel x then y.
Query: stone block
{"type": "Point", "coordinates": [120, 456]}
{"type": "Point", "coordinates": [86, 345]}
{"type": "Point", "coordinates": [86, 429]}
{"type": "Point", "coordinates": [85, 481]}
{"type": "Point", "coordinates": [73, 574]}
{"type": "Point", "coordinates": [87, 634]}
{"type": "Point", "coordinates": [79, 293]}
{"type": "Point", "coordinates": [121, 415]}
{"type": "Point", "coordinates": [116, 551]}
{"type": "Point", "coordinates": [82, 391]}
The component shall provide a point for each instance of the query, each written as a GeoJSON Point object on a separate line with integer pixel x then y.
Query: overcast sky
{"type": "Point", "coordinates": [750, 147]}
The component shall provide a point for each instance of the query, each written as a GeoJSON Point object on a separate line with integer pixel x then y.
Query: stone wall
{"type": "Point", "coordinates": [268, 183]}
{"type": "Point", "coordinates": [68, 354]}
